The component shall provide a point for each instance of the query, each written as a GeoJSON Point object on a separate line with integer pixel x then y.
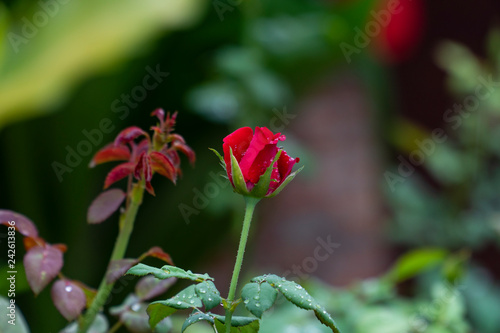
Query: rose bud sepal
{"type": "Point", "coordinates": [239, 184]}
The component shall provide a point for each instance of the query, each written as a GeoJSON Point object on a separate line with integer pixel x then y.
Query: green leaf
{"type": "Point", "coordinates": [238, 324]}
{"type": "Point", "coordinates": [285, 182]}
{"type": "Point", "coordinates": [221, 159]}
{"type": "Point", "coordinates": [196, 317]}
{"type": "Point", "coordinates": [166, 272]}
{"type": "Point", "coordinates": [185, 299]}
{"type": "Point", "coordinates": [297, 295]}
{"type": "Point", "coordinates": [414, 262]}
{"type": "Point", "coordinates": [258, 297]}
{"type": "Point", "coordinates": [208, 293]}
{"type": "Point", "coordinates": [238, 179]}
{"type": "Point", "coordinates": [260, 189]}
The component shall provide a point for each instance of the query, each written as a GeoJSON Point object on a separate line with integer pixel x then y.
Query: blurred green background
{"type": "Point", "coordinates": [66, 65]}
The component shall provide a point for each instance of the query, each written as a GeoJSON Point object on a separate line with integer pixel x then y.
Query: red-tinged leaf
{"type": "Point", "coordinates": [42, 264]}
{"type": "Point", "coordinates": [118, 268]}
{"type": "Point", "coordinates": [176, 138]}
{"type": "Point", "coordinates": [160, 114]}
{"type": "Point", "coordinates": [89, 292]}
{"type": "Point", "coordinates": [30, 242]}
{"type": "Point", "coordinates": [186, 150]}
{"type": "Point", "coordinates": [150, 188]}
{"type": "Point", "coordinates": [118, 173]}
{"type": "Point", "coordinates": [163, 166]}
{"type": "Point", "coordinates": [104, 205]}
{"type": "Point", "coordinates": [143, 168]}
{"type": "Point", "coordinates": [110, 153]}
{"type": "Point", "coordinates": [149, 287]}
{"type": "Point", "coordinates": [138, 149]}
{"type": "Point", "coordinates": [157, 252]}
{"type": "Point", "coordinates": [68, 298]}
{"type": "Point", "coordinates": [22, 224]}
{"type": "Point", "coordinates": [62, 247]}
{"type": "Point", "coordinates": [129, 134]}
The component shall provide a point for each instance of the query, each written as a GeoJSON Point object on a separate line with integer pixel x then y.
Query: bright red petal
{"type": "Point", "coordinates": [110, 153]}
{"type": "Point", "coordinates": [119, 172]}
{"type": "Point", "coordinates": [284, 168]}
{"type": "Point", "coordinates": [261, 162]}
{"type": "Point", "coordinates": [260, 140]}
{"type": "Point", "coordinates": [162, 164]}
{"type": "Point", "coordinates": [238, 141]}
{"type": "Point", "coordinates": [129, 134]}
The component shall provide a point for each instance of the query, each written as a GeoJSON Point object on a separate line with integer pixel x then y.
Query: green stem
{"type": "Point", "coordinates": [249, 209]}
{"type": "Point", "coordinates": [126, 226]}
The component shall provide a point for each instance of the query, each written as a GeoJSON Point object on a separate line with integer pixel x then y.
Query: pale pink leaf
{"type": "Point", "coordinates": [104, 205]}
{"type": "Point", "coordinates": [42, 264]}
{"type": "Point", "coordinates": [68, 298]}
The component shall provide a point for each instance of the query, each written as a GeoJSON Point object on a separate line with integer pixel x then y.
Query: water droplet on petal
{"type": "Point", "coordinates": [136, 307]}
{"type": "Point", "coordinates": [68, 289]}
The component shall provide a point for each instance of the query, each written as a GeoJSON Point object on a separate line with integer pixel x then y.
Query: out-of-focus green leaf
{"type": "Point", "coordinates": [415, 262]}
{"type": "Point", "coordinates": [80, 38]}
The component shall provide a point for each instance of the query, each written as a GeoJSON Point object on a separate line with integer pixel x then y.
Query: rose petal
{"type": "Point", "coordinates": [238, 141]}
{"type": "Point", "coordinates": [261, 162]}
{"type": "Point", "coordinates": [119, 172]}
{"type": "Point", "coordinates": [110, 153]}
{"type": "Point", "coordinates": [262, 137]}
{"type": "Point", "coordinates": [283, 169]}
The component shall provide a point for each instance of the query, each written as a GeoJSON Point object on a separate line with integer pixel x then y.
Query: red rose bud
{"type": "Point", "coordinates": [254, 164]}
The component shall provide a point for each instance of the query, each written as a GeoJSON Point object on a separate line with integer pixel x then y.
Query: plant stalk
{"type": "Point", "coordinates": [126, 226]}
{"type": "Point", "coordinates": [249, 209]}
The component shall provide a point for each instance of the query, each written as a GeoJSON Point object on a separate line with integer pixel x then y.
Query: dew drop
{"type": "Point", "coordinates": [68, 289]}
{"type": "Point", "coordinates": [210, 299]}
{"type": "Point", "coordinates": [257, 305]}
{"type": "Point", "coordinates": [246, 301]}
{"type": "Point", "coordinates": [179, 303]}
{"type": "Point", "coordinates": [299, 287]}
{"type": "Point", "coordinates": [136, 307]}
{"type": "Point", "coordinates": [257, 297]}
{"type": "Point", "coordinates": [203, 291]}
